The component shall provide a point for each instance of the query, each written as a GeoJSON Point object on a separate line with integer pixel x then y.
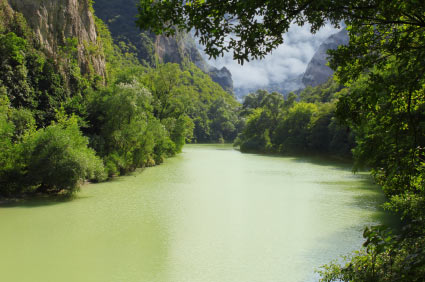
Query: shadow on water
{"type": "Point", "coordinates": [215, 146]}
{"type": "Point", "coordinates": [36, 201]}
{"type": "Point", "coordinates": [328, 242]}
{"type": "Point", "coordinates": [320, 160]}
{"type": "Point", "coordinates": [369, 197]}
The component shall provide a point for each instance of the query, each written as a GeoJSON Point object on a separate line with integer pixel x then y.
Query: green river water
{"type": "Point", "coordinates": [211, 214]}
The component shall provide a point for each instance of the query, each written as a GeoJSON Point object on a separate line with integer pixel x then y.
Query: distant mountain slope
{"type": "Point", "coordinates": [317, 71]}
{"type": "Point", "coordinates": [120, 16]}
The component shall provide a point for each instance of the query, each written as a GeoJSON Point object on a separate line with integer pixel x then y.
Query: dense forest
{"type": "Point", "coordinates": [60, 125]}
{"type": "Point", "coordinates": [382, 104]}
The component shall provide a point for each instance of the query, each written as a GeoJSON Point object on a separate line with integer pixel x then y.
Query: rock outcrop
{"type": "Point", "coordinates": [223, 77]}
{"type": "Point", "coordinates": [53, 22]}
{"type": "Point", "coordinates": [317, 71]}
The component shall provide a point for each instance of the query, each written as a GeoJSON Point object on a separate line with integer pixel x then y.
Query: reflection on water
{"type": "Point", "coordinates": [210, 214]}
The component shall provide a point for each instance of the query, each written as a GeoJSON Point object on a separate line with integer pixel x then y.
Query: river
{"type": "Point", "coordinates": [210, 214]}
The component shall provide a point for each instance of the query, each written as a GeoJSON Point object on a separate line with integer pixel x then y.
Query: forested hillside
{"type": "Point", "coordinates": [65, 119]}
{"type": "Point", "coordinates": [151, 49]}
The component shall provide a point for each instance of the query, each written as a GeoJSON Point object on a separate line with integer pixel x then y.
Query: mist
{"type": "Point", "coordinates": [283, 66]}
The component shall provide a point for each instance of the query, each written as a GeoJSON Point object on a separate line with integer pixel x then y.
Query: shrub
{"type": "Point", "coordinates": [59, 159]}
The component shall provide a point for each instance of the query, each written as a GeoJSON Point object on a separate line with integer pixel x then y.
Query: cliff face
{"type": "Point", "coordinates": [54, 21]}
{"type": "Point", "coordinates": [317, 71]}
{"type": "Point", "coordinates": [169, 49]}
{"type": "Point", "coordinates": [223, 77]}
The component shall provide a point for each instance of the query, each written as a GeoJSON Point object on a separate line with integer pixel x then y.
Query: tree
{"type": "Point", "coordinates": [224, 121]}
{"type": "Point", "coordinates": [293, 131]}
{"type": "Point", "coordinates": [125, 133]}
{"type": "Point", "coordinates": [169, 97]}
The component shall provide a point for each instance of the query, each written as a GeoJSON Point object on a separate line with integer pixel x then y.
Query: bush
{"type": "Point", "coordinates": [59, 159]}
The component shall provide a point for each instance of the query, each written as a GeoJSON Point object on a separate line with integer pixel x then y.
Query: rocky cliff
{"type": "Point", "coordinates": [53, 22]}
{"type": "Point", "coordinates": [317, 71]}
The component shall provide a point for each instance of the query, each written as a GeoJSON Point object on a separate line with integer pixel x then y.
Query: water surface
{"type": "Point", "coordinates": [211, 214]}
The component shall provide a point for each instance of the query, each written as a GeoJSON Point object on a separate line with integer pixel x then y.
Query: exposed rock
{"type": "Point", "coordinates": [168, 50]}
{"type": "Point", "coordinates": [223, 77]}
{"type": "Point", "coordinates": [317, 71]}
{"type": "Point", "coordinates": [54, 21]}
{"type": "Point", "coordinates": [177, 48]}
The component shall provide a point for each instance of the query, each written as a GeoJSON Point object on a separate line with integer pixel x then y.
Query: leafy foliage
{"type": "Point", "coordinates": [187, 90]}
{"type": "Point", "coordinates": [126, 133]}
{"type": "Point", "coordinates": [144, 115]}
{"type": "Point", "coordinates": [58, 158]}
{"type": "Point", "coordinates": [385, 257]}
{"type": "Point", "coordinates": [385, 108]}
{"type": "Point", "coordinates": [51, 159]}
{"type": "Point", "coordinates": [278, 125]}
{"type": "Point", "coordinates": [258, 26]}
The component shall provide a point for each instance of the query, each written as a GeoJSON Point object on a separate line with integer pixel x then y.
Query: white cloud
{"type": "Point", "coordinates": [285, 63]}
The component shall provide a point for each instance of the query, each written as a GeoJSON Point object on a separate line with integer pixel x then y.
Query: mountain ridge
{"type": "Point", "coordinates": [120, 18]}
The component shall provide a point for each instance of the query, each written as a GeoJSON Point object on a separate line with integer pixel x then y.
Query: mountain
{"type": "Point", "coordinates": [317, 71]}
{"type": "Point", "coordinates": [120, 16]}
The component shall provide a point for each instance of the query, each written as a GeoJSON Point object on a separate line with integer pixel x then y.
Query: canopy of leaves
{"type": "Point", "coordinates": [257, 27]}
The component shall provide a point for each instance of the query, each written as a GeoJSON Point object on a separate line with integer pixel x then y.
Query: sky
{"type": "Point", "coordinates": [286, 62]}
